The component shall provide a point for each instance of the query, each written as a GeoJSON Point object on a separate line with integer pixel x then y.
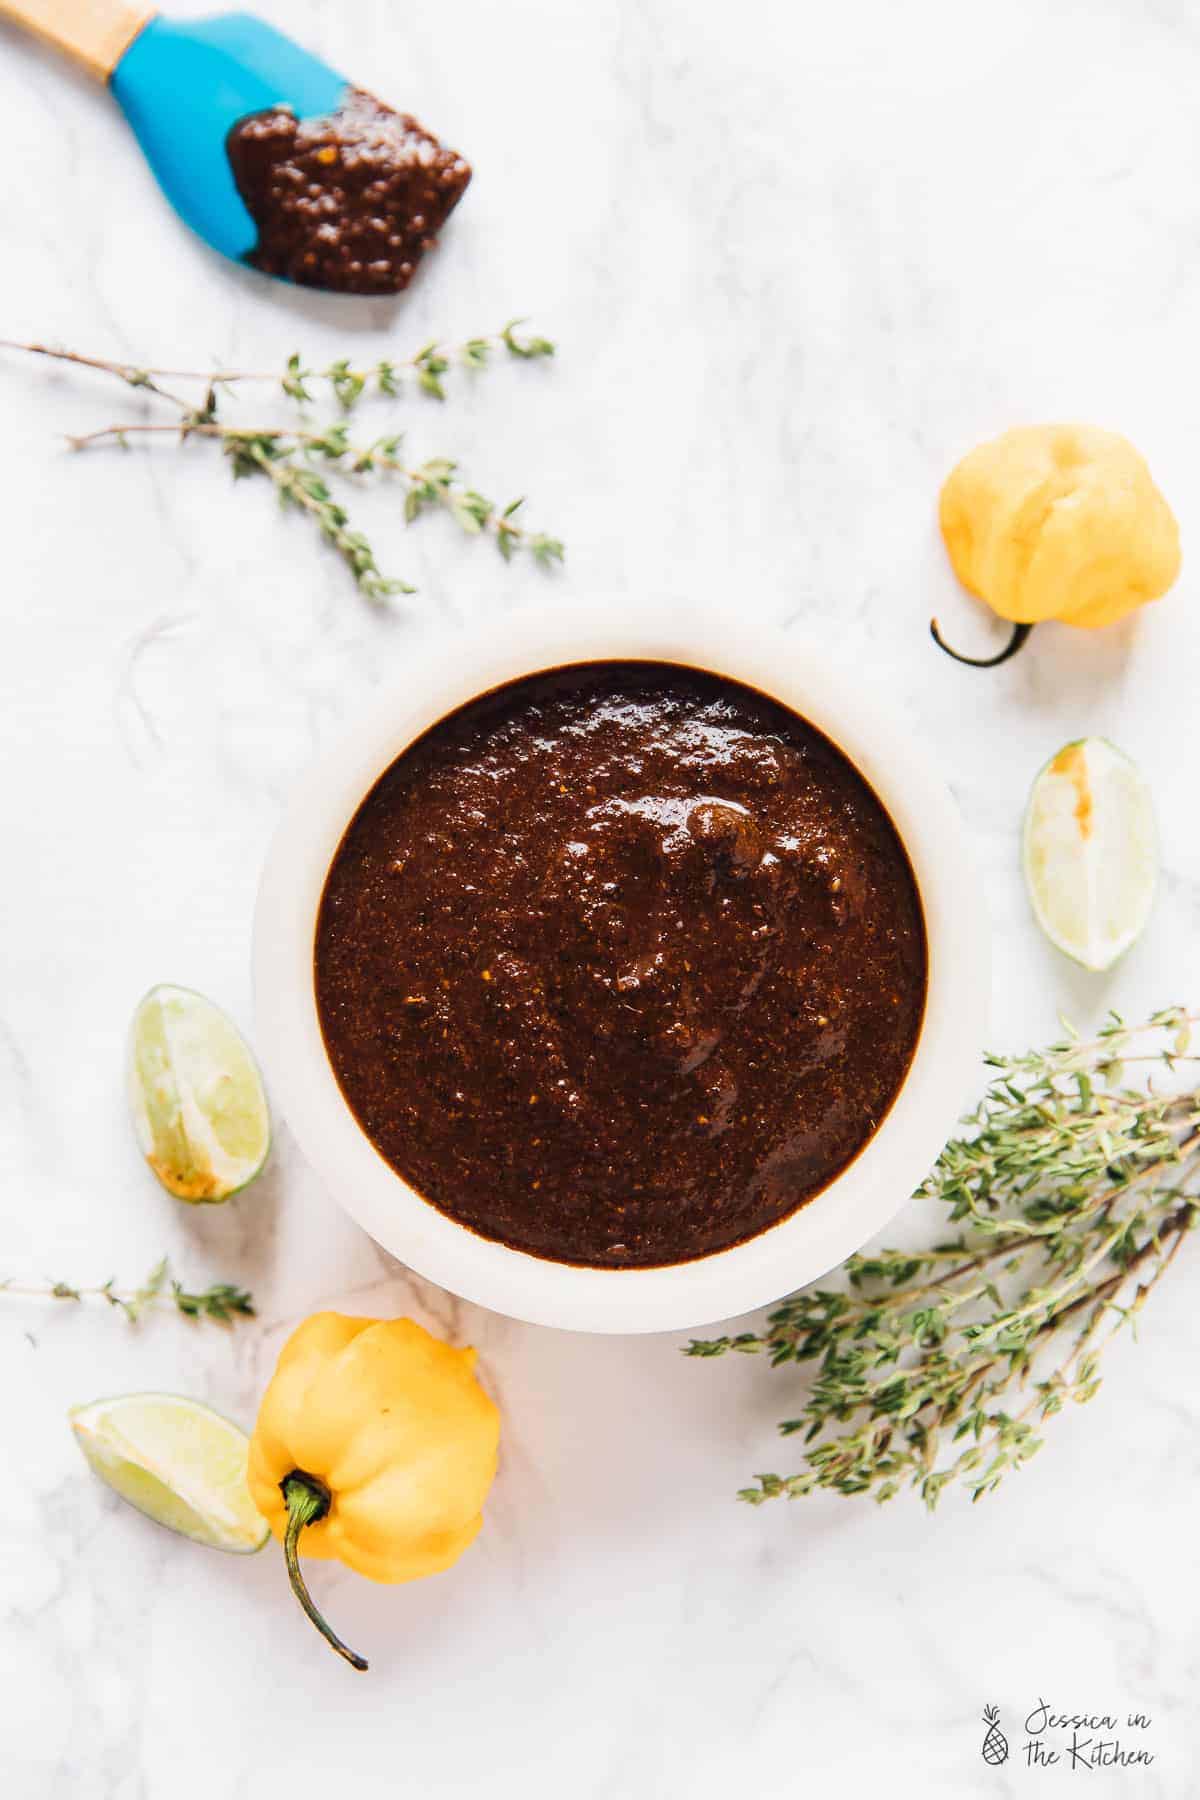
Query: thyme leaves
{"type": "Point", "coordinates": [1073, 1192]}
{"type": "Point", "coordinates": [298, 460]}
{"type": "Point", "coordinates": [221, 1302]}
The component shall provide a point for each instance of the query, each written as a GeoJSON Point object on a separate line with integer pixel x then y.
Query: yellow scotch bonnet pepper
{"type": "Point", "coordinates": [1057, 522]}
{"type": "Point", "coordinates": [376, 1442]}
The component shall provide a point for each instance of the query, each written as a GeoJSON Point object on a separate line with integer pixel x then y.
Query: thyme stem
{"type": "Point", "coordinates": [431, 362]}
{"type": "Point", "coordinates": [434, 483]}
{"type": "Point", "coordinates": [283, 454]}
{"type": "Point", "coordinates": [1073, 1193]}
{"type": "Point", "coordinates": [220, 1301]}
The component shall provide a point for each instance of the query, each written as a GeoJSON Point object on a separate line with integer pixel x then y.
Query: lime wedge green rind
{"type": "Point", "coordinates": [177, 1461]}
{"type": "Point", "coordinates": [196, 1096]}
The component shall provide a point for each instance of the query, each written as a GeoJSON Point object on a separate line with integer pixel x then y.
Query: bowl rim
{"type": "Point", "coordinates": [797, 1250]}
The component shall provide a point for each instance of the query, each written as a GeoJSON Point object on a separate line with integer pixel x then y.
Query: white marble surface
{"type": "Point", "coordinates": [797, 260]}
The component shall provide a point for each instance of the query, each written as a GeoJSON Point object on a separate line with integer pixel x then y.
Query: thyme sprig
{"type": "Point", "coordinates": [219, 1302]}
{"type": "Point", "coordinates": [1073, 1192]}
{"type": "Point", "coordinates": [281, 455]}
{"type": "Point", "coordinates": [423, 369]}
{"type": "Point", "coordinates": [426, 368]}
{"type": "Point", "coordinates": [296, 459]}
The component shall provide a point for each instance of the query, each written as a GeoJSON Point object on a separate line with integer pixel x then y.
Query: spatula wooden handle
{"type": "Point", "coordinates": [96, 33]}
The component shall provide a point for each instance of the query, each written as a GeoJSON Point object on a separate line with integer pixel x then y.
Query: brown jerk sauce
{"type": "Point", "coordinates": [349, 202]}
{"type": "Point", "coordinates": [620, 964]}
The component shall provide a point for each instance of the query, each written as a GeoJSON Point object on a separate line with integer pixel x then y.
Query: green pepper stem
{"type": "Point", "coordinates": [1019, 635]}
{"type": "Point", "coordinates": [308, 1500]}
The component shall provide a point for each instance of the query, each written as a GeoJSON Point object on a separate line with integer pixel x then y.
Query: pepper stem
{"type": "Point", "coordinates": [1020, 633]}
{"type": "Point", "coordinates": [307, 1500]}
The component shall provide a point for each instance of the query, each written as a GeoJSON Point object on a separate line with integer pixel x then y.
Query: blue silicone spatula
{"type": "Point", "coordinates": [184, 85]}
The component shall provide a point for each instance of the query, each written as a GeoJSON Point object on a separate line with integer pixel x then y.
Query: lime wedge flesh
{"type": "Point", "coordinates": [199, 1109]}
{"type": "Point", "coordinates": [1091, 852]}
{"type": "Point", "coordinates": [178, 1462]}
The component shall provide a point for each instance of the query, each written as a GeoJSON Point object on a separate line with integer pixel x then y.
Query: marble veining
{"type": "Point", "coordinates": [797, 260]}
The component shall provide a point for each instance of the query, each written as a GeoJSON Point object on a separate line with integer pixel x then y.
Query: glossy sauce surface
{"type": "Point", "coordinates": [350, 202]}
{"type": "Point", "coordinates": [620, 964]}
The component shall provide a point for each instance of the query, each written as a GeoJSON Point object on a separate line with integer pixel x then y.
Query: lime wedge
{"type": "Point", "coordinates": [197, 1097]}
{"type": "Point", "coordinates": [178, 1462]}
{"type": "Point", "coordinates": [1091, 852]}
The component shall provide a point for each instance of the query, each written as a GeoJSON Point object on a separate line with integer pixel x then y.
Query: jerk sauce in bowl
{"type": "Point", "coordinates": [620, 964]}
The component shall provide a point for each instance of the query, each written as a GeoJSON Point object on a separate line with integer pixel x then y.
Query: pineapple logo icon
{"type": "Point", "coordinates": [995, 1744]}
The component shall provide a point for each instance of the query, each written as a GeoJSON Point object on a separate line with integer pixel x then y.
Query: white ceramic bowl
{"type": "Point", "coordinates": [797, 1250]}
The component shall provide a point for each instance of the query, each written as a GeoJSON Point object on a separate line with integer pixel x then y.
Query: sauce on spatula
{"type": "Point", "coordinates": [349, 202]}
